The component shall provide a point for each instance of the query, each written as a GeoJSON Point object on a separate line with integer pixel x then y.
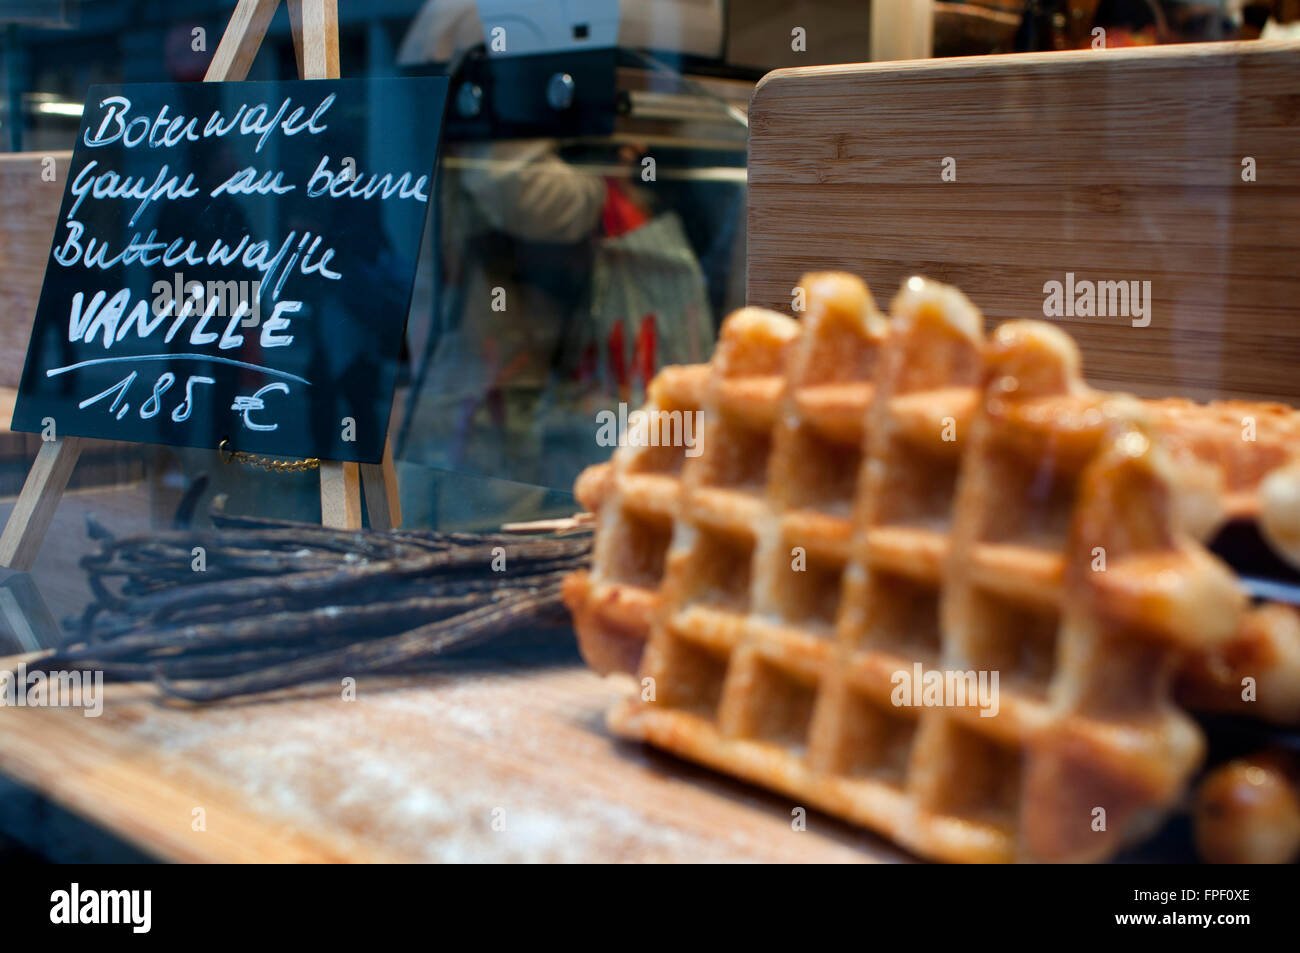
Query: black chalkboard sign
{"type": "Point", "coordinates": [234, 261]}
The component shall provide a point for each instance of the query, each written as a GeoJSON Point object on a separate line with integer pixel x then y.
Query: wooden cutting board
{"type": "Point", "coordinates": [483, 763]}
{"type": "Point", "coordinates": [1108, 164]}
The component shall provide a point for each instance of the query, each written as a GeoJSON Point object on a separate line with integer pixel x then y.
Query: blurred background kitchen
{"type": "Point", "coordinates": [589, 221]}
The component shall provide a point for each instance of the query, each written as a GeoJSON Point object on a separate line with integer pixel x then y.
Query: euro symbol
{"type": "Point", "coordinates": [246, 405]}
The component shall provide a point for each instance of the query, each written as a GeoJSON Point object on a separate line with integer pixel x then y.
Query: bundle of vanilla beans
{"type": "Point", "coordinates": [258, 604]}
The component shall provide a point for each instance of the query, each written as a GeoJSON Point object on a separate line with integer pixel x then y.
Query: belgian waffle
{"type": "Point", "coordinates": [875, 495]}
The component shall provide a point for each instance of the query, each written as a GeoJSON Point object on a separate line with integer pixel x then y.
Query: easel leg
{"type": "Point", "coordinates": [379, 480]}
{"type": "Point", "coordinates": [26, 623]}
{"type": "Point", "coordinates": [36, 503]}
{"type": "Point", "coordinates": [315, 25]}
{"type": "Point", "coordinates": [318, 23]}
{"type": "Point", "coordinates": [240, 42]}
{"type": "Point", "coordinates": [340, 495]}
{"type": "Point", "coordinates": [295, 28]}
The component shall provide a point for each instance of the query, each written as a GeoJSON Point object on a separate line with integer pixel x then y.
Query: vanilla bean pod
{"type": "Point", "coordinates": [431, 586]}
{"type": "Point", "coordinates": [301, 585]}
{"type": "Point", "coordinates": [114, 627]}
{"type": "Point", "coordinates": [104, 598]}
{"type": "Point", "coordinates": [112, 624]}
{"type": "Point", "coordinates": [146, 559]}
{"type": "Point", "coordinates": [238, 564]}
{"type": "Point", "coordinates": [394, 590]}
{"type": "Point", "coordinates": [344, 540]}
{"type": "Point", "coordinates": [313, 623]}
{"type": "Point", "coordinates": [415, 605]}
{"type": "Point", "coordinates": [326, 582]}
{"type": "Point", "coordinates": [223, 557]}
{"type": "Point", "coordinates": [226, 552]}
{"type": "Point", "coordinates": [347, 542]}
{"type": "Point", "coordinates": [116, 671]}
{"type": "Point", "coordinates": [377, 655]}
{"type": "Point", "coordinates": [231, 663]}
{"type": "Point", "coordinates": [349, 584]}
{"type": "Point", "coordinates": [424, 538]}
{"type": "Point", "coordinates": [198, 614]}
{"type": "Point", "coordinates": [192, 666]}
{"type": "Point", "coordinates": [430, 537]}
{"type": "Point", "coordinates": [281, 603]}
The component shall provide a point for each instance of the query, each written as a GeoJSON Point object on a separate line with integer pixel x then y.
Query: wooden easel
{"type": "Point", "coordinates": [315, 25]}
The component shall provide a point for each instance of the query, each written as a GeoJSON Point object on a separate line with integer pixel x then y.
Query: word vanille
{"type": "Point", "coordinates": [103, 906]}
{"type": "Point", "coordinates": [1098, 299]}
{"type": "Point", "coordinates": [21, 689]}
{"type": "Point", "coordinates": [649, 428]}
{"type": "Point", "coordinates": [950, 689]}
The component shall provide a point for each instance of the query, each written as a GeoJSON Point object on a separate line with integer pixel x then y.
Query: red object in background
{"type": "Point", "coordinates": [620, 214]}
{"type": "Point", "coordinates": [643, 356]}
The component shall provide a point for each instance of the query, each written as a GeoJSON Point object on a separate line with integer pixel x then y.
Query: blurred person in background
{"type": "Point", "coordinates": [560, 292]}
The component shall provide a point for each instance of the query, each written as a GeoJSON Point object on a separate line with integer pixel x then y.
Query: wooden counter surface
{"type": "Point", "coordinates": [503, 763]}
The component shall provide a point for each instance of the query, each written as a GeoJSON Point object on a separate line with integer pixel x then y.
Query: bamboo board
{"type": "Point", "coordinates": [1111, 164]}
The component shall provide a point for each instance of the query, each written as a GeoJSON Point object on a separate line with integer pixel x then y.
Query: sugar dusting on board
{"type": "Point", "coordinates": [456, 767]}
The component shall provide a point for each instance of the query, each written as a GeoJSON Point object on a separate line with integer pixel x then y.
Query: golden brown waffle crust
{"type": "Point", "coordinates": [827, 437]}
